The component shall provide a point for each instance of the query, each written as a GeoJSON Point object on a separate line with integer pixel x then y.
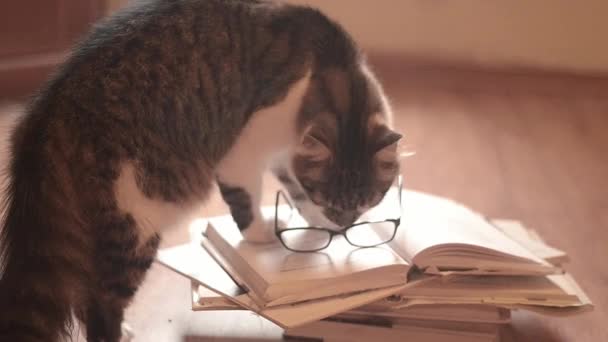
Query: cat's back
{"type": "Point", "coordinates": [140, 76]}
{"type": "Point", "coordinates": [128, 48]}
{"type": "Point", "coordinates": [133, 66]}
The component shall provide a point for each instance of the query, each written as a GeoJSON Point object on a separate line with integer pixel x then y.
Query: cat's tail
{"type": "Point", "coordinates": [40, 273]}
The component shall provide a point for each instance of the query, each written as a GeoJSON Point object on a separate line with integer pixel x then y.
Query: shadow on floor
{"type": "Point", "coordinates": [244, 339]}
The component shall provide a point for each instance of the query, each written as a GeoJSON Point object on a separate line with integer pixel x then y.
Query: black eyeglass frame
{"type": "Point", "coordinates": [278, 231]}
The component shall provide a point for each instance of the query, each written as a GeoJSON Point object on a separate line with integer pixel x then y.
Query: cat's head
{"type": "Point", "coordinates": [346, 157]}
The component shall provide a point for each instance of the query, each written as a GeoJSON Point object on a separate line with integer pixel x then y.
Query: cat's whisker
{"type": "Point", "coordinates": [406, 154]}
{"type": "Point", "coordinates": [141, 123]}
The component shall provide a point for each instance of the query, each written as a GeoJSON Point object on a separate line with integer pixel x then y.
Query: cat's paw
{"type": "Point", "coordinates": [127, 333]}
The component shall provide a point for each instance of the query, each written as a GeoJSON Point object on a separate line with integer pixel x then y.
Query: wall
{"type": "Point", "coordinates": [561, 34]}
{"type": "Point", "coordinates": [548, 34]}
{"type": "Point", "coordinates": [113, 5]}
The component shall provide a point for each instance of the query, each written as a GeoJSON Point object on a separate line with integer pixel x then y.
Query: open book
{"type": "Point", "coordinates": [214, 288]}
{"type": "Point", "coordinates": [193, 262]}
{"type": "Point", "coordinates": [276, 276]}
{"type": "Point", "coordinates": [436, 236]}
{"type": "Point", "coordinates": [467, 297]}
{"type": "Point", "coordinates": [204, 299]}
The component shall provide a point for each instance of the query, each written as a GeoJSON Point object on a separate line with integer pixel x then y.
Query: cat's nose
{"type": "Point", "coordinates": [342, 218]}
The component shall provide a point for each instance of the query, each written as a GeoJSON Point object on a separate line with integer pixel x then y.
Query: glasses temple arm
{"type": "Point", "coordinates": [284, 198]}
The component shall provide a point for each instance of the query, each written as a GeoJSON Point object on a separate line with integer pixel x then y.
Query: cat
{"type": "Point", "coordinates": [158, 103]}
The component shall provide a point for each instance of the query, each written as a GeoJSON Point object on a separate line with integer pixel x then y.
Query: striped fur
{"type": "Point", "coordinates": [347, 158]}
{"type": "Point", "coordinates": [130, 133]}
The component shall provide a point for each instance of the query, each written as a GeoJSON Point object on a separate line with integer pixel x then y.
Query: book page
{"type": "Point", "coordinates": [341, 331]}
{"type": "Point", "coordinates": [531, 241]}
{"type": "Point", "coordinates": [430, 221]}
{"type": "Point", "coordinates": [286, 315]}
{"type": "Point", "coordinates": [276, 264]}
{"type": "Point", "coordinates": [531, 287]}
{"type": "Point", "coordinates": [550, 291]}
{"type": "Point", "coordinates": [194, 262]}
{"type": "Point", "coordinates": [204, 299]}
{"type": "Point", "coordinates": [444, 312]}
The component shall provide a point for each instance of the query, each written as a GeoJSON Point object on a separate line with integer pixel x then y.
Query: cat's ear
{"type": "Point", "coordinates": [313, 147]}
{"type": "Point", "coordinates": [386, 145]}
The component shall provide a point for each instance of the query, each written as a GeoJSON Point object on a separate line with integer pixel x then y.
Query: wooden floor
{"type": "Point", "coordinates": [513, 146]}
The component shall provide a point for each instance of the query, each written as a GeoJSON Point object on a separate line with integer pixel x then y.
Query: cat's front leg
{"type": "Point", "coordinates": [241, 190]}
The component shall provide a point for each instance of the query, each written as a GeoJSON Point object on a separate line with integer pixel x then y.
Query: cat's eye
{"type": "Point", "coordinates": [311, 142]}
{"type": "Point", "coordinates": [313, 147]}
{"type": "Point", "coordinates": [376, 198]}
{"type": "Point", "coordinates": [307, 187]}
{"type": "Point", "coordinates": [388, 138]}
{"type": "Point", "coordinates": [387, 142]}
{"type": "Point", "coordinates": [314, 194]}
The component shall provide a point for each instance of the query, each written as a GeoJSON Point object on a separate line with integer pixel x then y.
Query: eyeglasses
{"type": "Point", "coordinates": [313, 239]}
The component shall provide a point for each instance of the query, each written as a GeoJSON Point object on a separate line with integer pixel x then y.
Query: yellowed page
{"type": "Point", "coordinates": [194, 262]}
{"type": "Point", "coordinates": [531, 241]}
{"type": "Point", "coordinates": [275, 264]}
{"type": "Point", "coordinates": [439, 312]}
{"type": "Point", "coordinates": [547, 291]}
{"type": "Point", "coordinates": [431, 222]}
{"type": "Point", "coordinates": [530, 288]}
{"type": "Point", "coordinates": [204, 299]}
{"type": "Point", "coordinates": [346, 332]}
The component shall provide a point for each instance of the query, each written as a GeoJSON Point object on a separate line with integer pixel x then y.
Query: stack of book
{"type": "Point", "coordinates": [449, 274]}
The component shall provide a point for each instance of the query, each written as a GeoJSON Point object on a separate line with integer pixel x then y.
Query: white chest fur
{"type": "Point", "coordinates": [151, 215]}
{"type": "Point", "coordinates": [268, 133]}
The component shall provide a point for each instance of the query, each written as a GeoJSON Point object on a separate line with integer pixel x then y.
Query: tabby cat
{"type": "Point", "coordinates": [159, 102]}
